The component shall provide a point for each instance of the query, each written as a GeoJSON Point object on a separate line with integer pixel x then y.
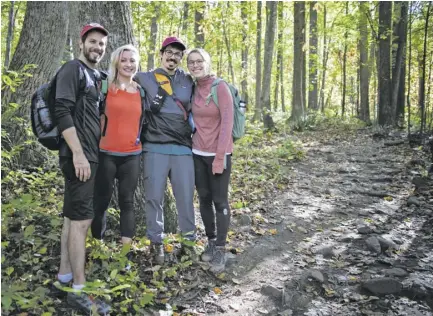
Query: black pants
{"type": "Point", "coordinates": [126, 170]}
{"type": "Point", "coordinates": [213, 189]}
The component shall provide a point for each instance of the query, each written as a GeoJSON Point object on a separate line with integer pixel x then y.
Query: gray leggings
{"type": "Point", "coordinates": [213, 189]}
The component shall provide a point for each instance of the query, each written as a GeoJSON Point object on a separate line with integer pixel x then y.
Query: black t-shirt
{"type": "Point", "coordinates": [77, 104]}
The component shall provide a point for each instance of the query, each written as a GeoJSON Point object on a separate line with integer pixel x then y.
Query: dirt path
{"type": "Point", "coordinates": [341, 227]}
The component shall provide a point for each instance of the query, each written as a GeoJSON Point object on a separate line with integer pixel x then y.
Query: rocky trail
{"type": "Point", "coordinates": [351, 235]}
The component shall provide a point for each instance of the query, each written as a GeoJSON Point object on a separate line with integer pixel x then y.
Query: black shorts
{"type": "Point", "coordinates": [78, 199]}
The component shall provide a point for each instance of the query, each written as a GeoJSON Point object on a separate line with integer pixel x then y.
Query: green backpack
{"type": "Point", "coordinates": [239, 108]}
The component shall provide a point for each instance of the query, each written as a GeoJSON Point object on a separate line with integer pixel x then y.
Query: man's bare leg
{"type": "Point", "coordinates": [77, 249]}
{"type": "Point", "coordinates": [65, 264]}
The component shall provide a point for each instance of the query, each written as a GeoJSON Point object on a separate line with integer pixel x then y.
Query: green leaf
{"type": "Point", "coordinates": [120, 287]}
{"type": "Point", "coordinates": [6, 302]}
{"type": "Point", "coordinates": [9, 270]}
{"type": "Point", "coordinates": [43, 250]}
{"type": "Point", "coordinates": [29, 230]}
{"type": "Point", "coordinates": [47, 314]}
{"type": "Point", "coordinates": [113, 274]}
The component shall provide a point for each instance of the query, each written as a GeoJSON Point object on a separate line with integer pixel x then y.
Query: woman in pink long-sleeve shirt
{"type": "Point", "coordinates": [212, 146]}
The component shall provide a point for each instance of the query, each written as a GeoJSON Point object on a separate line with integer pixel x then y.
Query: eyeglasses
{"type": "Point", "coordinates": [195, 62]}
{"type": "Point", "coordinates": [170, 53]}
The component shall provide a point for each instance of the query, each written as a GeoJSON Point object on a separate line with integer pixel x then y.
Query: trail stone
{"type": "Point", "coordinates": [385, 244]}
{"type": "Point", "coordinates": [245, 220]}
{"type": "Point", "coordinates": [326, 251]}
{"type": "Point", "coordinates": [317, 275]}
{"type": "Point", "coordinates": [383, 286]}
{"type": "Point", "coordinates": [302, 229]}
{"type": "Point", "coordinates": [330, 158]}
{"type": "Point", "coordinates": [413, 201]}
{"type": "Point", "coordinates": [234, 306]}
{"type": "Point", "coordinates": [365, 230]}
{"type": "Point", "coordinates": [395, 272]}
{"type": "Point", "coordinates": [271, 291]}
{"type": "Point", "coordinates": [287, 312]}
{"type": "Point", "coordinates": [373, 245]}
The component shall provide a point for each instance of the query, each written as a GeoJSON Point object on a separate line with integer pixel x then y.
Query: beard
{"type": "Point", "coordinates": [87, 54]}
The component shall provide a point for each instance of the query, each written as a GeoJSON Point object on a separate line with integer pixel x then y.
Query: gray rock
{"type": "Point", "coordinates": [287, 312]}
{"type": "Point", "coordinates": [373, 245]}
{"type": "Point", "coordinates": [383, 286]}
{"type": "Point", "coordinates": [245, 220]}
{"type": "Point", "coordinates": [413, 201]}
{"type": "Point", "coordinates": [386, 244]}
{"type": "Point", "coordinates": [326, 251]}
{"type": "Point", "coordinates": [365, 230]}
{"type": "Point", "coordinates": [349, 237]}
{"type": "Point", "coordinates": [271, 291]}
{"type": "Point", "coordinates": [330, 158]}
{"type": "Point", "coordinates": [395, 272]}
{"type": "Point", "coordinates": [317, 275]}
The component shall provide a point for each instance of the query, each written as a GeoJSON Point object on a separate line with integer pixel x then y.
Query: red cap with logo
{"type": "Point", "coordinates": [172, 40]}
{"type": "Point", "coordinates": [92, 27]}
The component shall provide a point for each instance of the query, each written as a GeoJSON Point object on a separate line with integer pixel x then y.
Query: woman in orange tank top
{"type": "Point", "coordinates": [120, 145]}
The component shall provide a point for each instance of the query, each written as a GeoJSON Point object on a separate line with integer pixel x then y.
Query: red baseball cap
{"type": "Point", "coordinates": [172, 40]}
{"type": "Point", "coordinates": [91, 27]}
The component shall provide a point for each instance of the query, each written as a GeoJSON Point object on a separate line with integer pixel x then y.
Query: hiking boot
{"type": "Point", "coordinates": [209, 252]}
{"type": "Point", "coordinates": [87, 304]}
{"type": "Point", "coordinates": [157, 251]}
{"type": "Point", "coordinates": [218, 261]}
{"type": "Point", "coordinates": [57, 289]}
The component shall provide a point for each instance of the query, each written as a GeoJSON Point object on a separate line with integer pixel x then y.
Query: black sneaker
{"type": "Point", "coordinates": [209, 252]}
{"type": "Point", "coordinates": [57, 289]}
{"type": "Point", "coordinates": [157, 251]}
{"type": "Point", "coordinates": [87, 304]}
{"type": "Point", "coordinates": [218, 262]}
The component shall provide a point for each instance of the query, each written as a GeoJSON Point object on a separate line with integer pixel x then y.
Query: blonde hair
{"type": "Point", "coordinates": [115, 58]}
{"type": "Point", "coordinates": [206, 57]}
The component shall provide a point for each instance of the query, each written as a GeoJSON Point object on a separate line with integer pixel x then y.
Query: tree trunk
{"type": "Point", "coordinates": [424, 60]}
{"type": "Point", "coordinates": [152, 35]}
{"type": "Point", "coordinates": [386, 114]}
{"type": "Point", "coordinates": [9, 38]}
{"type": "Point", "coordinates": [278, 77]}
{"type": "Point", "coordinates": [298, 107]}
{"type": "Point", "coordinates": [258, 106]}
{"type": "Point", "coordinates": [409, 70]}
{"type": "Point", "coordinates": [363, 64]}
{"type": "Point", "coordinates": [271, 19]}
{"type": "Point", "coordinates": [68, 53]}
{"type": "Point", "coordinates": [227, 42]}
{"type": "Point", "coordinates": [343, 99]}
{"type": "Point", "coordinates": [324, 61]}
{"type": "Point", "coordinates": [312, 73]}
{"type": "Point", "coordinates": [244, 53]}
{"type": "Point", "coordinates": [119, 24]}
{"type": "Point", "coordinates": [185, 18]}
{"type": "Point", "coordinates": [198, 21]}
{"type": "Point", "coordinates": [400, 34]}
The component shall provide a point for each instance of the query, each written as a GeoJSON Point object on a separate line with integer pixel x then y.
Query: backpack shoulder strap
{"type": "Point", "coordinates": [104, 87]}
{"type": "Point", "coordinates": [164, 82]}
{"type": "Point", "coordinates": [213, 92]}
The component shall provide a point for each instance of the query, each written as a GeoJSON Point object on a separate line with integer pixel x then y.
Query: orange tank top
{"type": "Point", "coordinates": [123, 110]}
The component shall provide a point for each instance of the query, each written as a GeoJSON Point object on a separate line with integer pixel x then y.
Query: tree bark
{"type": "Point", "coordinates": [244, 53]}
{"type": "Point", "coordinates": [278, 77]}
{"type": "Point", "coordinates": [227, 42]}
{"type": "Point", "coordinates": [400, 35]}
{"type": "Point", "coordinates": [409, 71]}
{"type": "Point", "coordinates": [343, 99]}
{"type": "Point", "coordinates": [312, 73]}
{"type": "Point", "coordinates": [298, 107]}
{"type": "Point", "coordinates": [185, 18]}
{"type": "Point", "coordinates": [152, 36]}
{"type": "Point", "coordinates": [258, 105]}
{"type": "Point", "coordinates": [9, 38]}
{"type": "Point", "coordinates": [424, 60]}
{"type": "Point", "coordinates": [386, 113]}
{"type": "Point", "coordinates": [363, 65]}
{"type": "Point", "coordinates": [198, 21]}
{"type": "Point", "coordinates": [324, 62]}
{"type": "Point", "coordinates": [271, 19]}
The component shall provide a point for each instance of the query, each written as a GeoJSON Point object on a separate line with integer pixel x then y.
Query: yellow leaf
{"type": "Point", "coordinates": [273, 231]}
{"type": "Point", "coordinates": [217, 290]}
{"type": "Point", "coordinates": [388, 198]}
{"type": "Point", "coordinates": [169, 248]}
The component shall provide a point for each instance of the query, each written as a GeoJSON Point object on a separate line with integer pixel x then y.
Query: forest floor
{"type": "Point", "coordinates": [341, 227]}
{"type": "Point", "coordinates": [350, 235]}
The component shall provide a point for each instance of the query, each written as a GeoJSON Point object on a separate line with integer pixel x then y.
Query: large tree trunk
{"type": "Point", "coordinates": [258, 105]}
{"type": "Point", "coordinates": [400, 40]}
{"type": "Point", "coordinates": [198, 21]}
{"type": "Point", "coordinates": [244, 53]}
{"type": "Point", "coordinates": [386, 113]}
{"type": "Point", "coordinates": [280, 53]}
{"type": "Point", "coordinates": [312, 73]}
{"type": "Point", "coordinates": [424, 60]}
{"type": "Point", "coordinates": [271, 18]}
{"type": "Point", "coordinates": [298, 107]}
{"type": "Point", "coordinates": [324, 62]}
{"type": "Point", "coordinates": [41, 42]}
{"type": "Point", "coordinates": [279, 69]}
{"type": "Point", "coordinates": [119, 24]}
{"type": "Point", "coordinates": [363, 64]}
{"type": "Point", "coordinates": [409, 70]}
{"type": "Point", "coordinates": [227, 42]}
{"type": "Point", "coordinates": [9, 38]}
{"type": "Point", "coordinates": [343, 99]}
{"type": "Point", "coordinates": [152, 36]}
{"type": "Point", "coordinates": [185, 18]}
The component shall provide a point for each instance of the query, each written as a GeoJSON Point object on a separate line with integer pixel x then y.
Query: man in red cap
{"type": "Point", "coordinates": [77, 115]}
{"type": "Point", "coordinates": [167, 146]}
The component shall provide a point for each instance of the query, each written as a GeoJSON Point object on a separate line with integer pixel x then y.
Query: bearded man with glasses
{"type": "Point", "coordinates": [167, 146]}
